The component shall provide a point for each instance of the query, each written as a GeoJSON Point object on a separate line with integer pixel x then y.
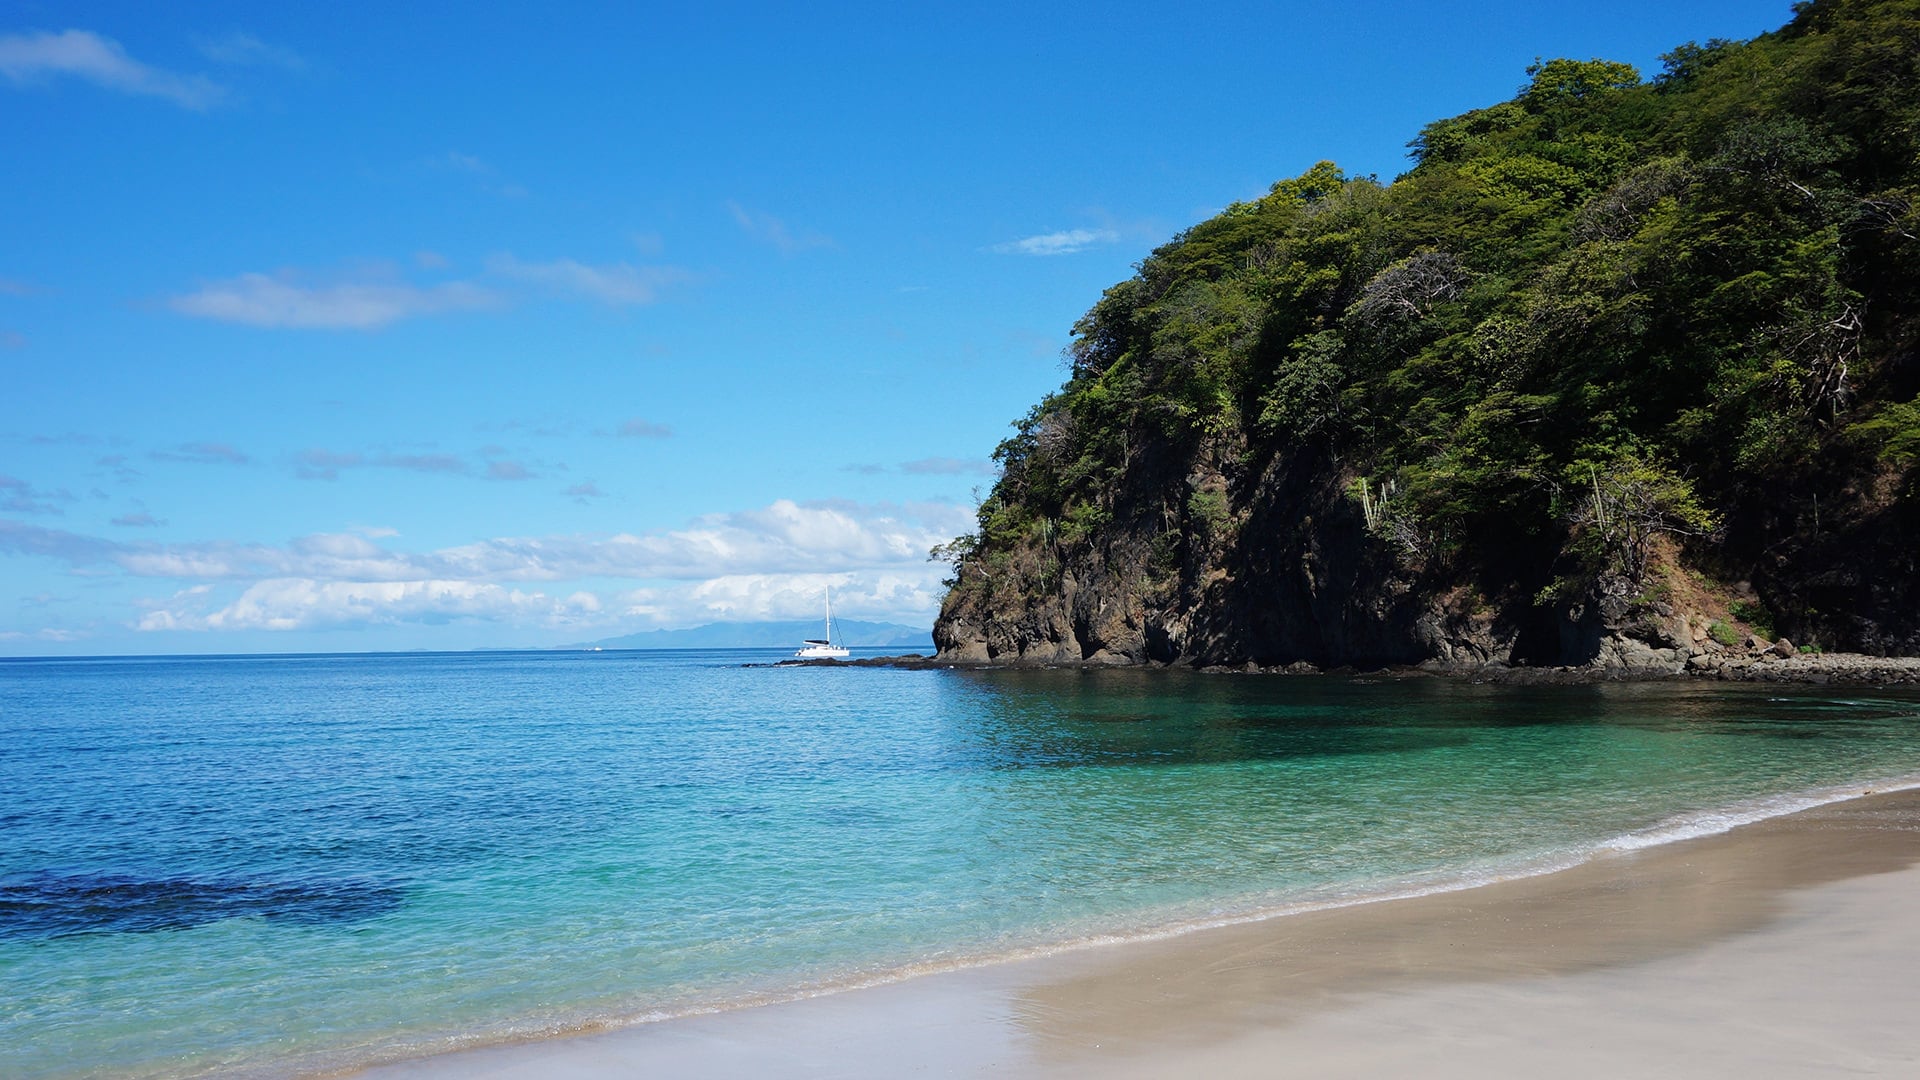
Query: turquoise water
{"type": "Point", "coordinates": [272, 864]}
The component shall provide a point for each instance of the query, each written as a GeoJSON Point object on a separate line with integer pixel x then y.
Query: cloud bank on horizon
{"type": "Point", "coordinates": [773, 562]}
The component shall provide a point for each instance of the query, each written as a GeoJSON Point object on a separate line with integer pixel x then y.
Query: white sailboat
{"type": "Point", "coordinates": [824, 648]}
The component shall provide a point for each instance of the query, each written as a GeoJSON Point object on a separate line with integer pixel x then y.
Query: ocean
{"type": "Point", "coordinates": [277, 864]}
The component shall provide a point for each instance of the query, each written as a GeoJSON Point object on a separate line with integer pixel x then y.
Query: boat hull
{"type": "Point", "coordinates": [823, 652]}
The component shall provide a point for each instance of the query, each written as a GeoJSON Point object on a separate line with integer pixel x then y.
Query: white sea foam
{"type": "Point", "coordinates": [1713, 822]}
{"type": "Point", "coordinates": [1676, 829]}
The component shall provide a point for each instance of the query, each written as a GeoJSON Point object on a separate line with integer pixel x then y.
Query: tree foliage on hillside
{"type": "Point", "coordinates": [1605, 309]}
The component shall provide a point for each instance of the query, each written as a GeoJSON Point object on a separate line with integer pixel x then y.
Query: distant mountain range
{"type": "Point", "coordinates": [755, 635]}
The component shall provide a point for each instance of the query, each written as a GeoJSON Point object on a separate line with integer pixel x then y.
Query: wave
{"type": "Point", "coordinates": [1676, 829]}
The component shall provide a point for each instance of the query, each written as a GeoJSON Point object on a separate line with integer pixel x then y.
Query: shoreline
{"type": "Point", "coordinates": [976, 1005]}
{"type": "Point", "coordinates": [1811, 669]}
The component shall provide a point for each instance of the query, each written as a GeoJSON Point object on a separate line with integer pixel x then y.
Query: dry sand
{"type": "Point", "coordinates": [1786, 948]}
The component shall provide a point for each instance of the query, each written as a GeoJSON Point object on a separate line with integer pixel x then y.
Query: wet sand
{"type": "Point", "coordinates": [1789, 947]}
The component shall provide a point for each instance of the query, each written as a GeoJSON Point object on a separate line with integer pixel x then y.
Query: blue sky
{"type": "Point", "coordinates": [343, 327]}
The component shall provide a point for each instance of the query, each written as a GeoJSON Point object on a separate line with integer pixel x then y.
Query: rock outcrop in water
{"type": "Point", "coordinates": [1621, 376]}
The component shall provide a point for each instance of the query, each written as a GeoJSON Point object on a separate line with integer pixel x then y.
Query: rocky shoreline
{"type": "Point", "coordinates": [1769, 665]}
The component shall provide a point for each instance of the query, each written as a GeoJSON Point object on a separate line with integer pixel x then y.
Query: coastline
{"type": "Point", "coordinates": [1812, 669]}
{"type": "Point", "coordinates": [1234, 996]}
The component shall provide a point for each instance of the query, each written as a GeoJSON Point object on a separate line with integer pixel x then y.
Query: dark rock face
{"type": "Point", "coordinates": [1299, 580]}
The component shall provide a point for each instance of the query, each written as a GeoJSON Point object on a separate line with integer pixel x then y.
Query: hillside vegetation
{"type": "Point", "coordinates": [1621, 371]}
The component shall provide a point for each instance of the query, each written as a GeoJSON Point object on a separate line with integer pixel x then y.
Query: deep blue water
{"type": "Point", "coordinates": [276, 863]}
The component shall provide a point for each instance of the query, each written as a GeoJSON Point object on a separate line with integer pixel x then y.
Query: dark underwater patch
{"type": "Point", "coordinates": [62, 905]}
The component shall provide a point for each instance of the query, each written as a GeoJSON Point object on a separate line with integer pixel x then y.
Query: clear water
{"type": "Point", "coordinates": [281, 863]}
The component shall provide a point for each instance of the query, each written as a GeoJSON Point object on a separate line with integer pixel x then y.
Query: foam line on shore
{"type": "Point", "coordinates": [1677, 829]}
{"type": "Point", "coordinates": [1711, 823]}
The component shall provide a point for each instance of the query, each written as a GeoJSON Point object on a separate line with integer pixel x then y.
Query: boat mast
{"type": "Point", "coordinates": [829, 615]}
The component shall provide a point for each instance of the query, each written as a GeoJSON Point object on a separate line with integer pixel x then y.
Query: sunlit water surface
{"type": "Point", "coordinates": [279, 863]}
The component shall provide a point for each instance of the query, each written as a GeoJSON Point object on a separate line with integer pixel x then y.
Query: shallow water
{"type": "Point", "coordinates": [268, 864]}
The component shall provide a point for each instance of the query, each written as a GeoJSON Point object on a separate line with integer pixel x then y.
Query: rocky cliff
{"type": "Point", "coordinates": [1621, 374]}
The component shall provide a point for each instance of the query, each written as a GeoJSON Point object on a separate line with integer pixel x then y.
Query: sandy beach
{"type": "Point", "coordinates": [1788, 947]}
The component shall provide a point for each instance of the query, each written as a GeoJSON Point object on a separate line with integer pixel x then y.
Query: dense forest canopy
{"type": "Point", "coordinates": [1610, 318]}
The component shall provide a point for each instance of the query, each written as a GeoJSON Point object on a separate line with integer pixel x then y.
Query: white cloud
{"type": "Point", "coordinates": [37, 57]}
{"type": "Point", "coordinates": [466, 162]}
{"type": "Point", "coordinates": [618, 284]}
{"type": "Point", "coordinates": [769, 562]}
{"type": "Point", "coordinates": [308, 604]}
{"type": "Point", "coordinates": [772, 230]}
{"type": "Point", "coordinates": [1056, 243]}
{"type": "Point", "coordinates": [303, 604]}
{"type": "Point", "coordinates": [284, 301]}
{"type": "Point", "coordinates": [378, 297]}
{"type": "Point", "coordinates": [754, 597]}
{"type": "Point", "coordinates": [51, 633]}
{"type": "Point", "coordinates": [277, 604]}
{"type": "Point", "coordinates": [245, 50]}
{"type": "Point", "coordinates": [490, 180]}
{"type": "Point", "coordinates": [782, 538]}
{"type": "Point", "coordinates": [785, 537]}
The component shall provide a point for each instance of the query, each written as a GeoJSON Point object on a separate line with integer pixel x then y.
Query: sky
{"type": "Point", "coordinates": [343, 327]}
